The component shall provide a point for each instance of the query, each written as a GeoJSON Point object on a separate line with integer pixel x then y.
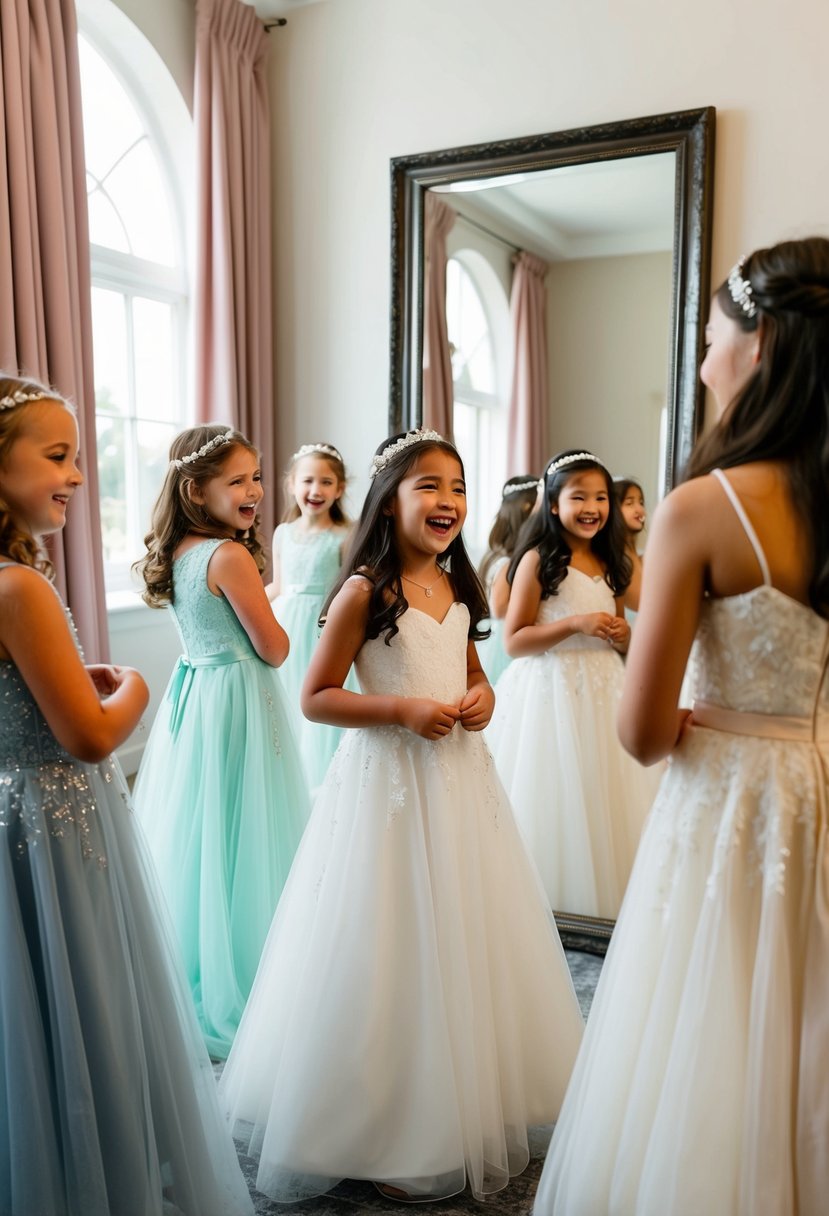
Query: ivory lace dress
{"type": "Point", "coordinates": [701, 1088]}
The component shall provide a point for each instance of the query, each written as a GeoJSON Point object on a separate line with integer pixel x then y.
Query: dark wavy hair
{"type": "Point", "coordinates": [373, 551]}
{"type": "Point", "coordinates": [515, 507]}
{"type": "Point", "coordinates": [543, 531]}
{"type": "Point", "coordinates": [622, 487]}
{"type": "Point", "coordinates": [782, 412]}
{"type": "Point", "coordinates": [175, 513]}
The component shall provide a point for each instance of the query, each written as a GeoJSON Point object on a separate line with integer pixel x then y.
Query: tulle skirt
{"type": "Point", "coordinates": [579, 798]}
{"type": "Point", "coordinates": [701, 1085]}
{"type": "Point", "coordinates": [222, 798]}
{"type": "Point", "coordinates": [108, 1100]}
{"type": "Point", "coordinates": [413, 1012]}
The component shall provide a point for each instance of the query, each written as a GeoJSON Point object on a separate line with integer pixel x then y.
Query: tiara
{"type": "Point", "coordinates": [394, 449]}
{"type": "Point", "coordinates": [519, 487]}
{"type": "Point", "coordinates": [216, 442]}
{"type": "Point", "coordinates": [741, 290]}
{"type": "Point", "coordinates": [563, 461]}
{"type": "Point", "coordinates": [20, 398]}
{"type": "Point", "coordinates": [308, 449]}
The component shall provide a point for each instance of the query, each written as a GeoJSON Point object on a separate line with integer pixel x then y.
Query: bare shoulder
{"type": "Point", "coordinates": [530, 562]}
{"type": "Point", "coordinates": [231, 557]}
{"type": "Point", "coordinates": [22, 585]}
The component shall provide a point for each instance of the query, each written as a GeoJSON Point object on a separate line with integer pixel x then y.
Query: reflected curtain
{"type": "Point", "coordinates": [529, 398]}
{"type": "Point", "coordinates": [438, 388]}
{"type": "Point", "coordinates": [234, 306]}
{"type": "Point", "coordinates": [45, 302]}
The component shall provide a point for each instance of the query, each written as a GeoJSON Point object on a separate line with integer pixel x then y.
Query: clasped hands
{"type": "Point", "coordinates": [435, 719]}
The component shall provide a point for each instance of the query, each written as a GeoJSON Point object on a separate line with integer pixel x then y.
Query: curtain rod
{"type": "Point", "coordinates": [482, 228]}
{"type": "Point", "coordinates": [275, 23]}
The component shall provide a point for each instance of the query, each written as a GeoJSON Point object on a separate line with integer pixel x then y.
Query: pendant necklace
{"type": "Point", "coordinates": [426, 590]}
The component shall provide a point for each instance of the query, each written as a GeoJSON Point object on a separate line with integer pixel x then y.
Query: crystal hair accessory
{"type": "Point", "coordinates": [308, 449]}
{"type": "Point", "coordinates": [519, 487]}
{"type": "Point", "coordinates": [740, 289]}
{"type": "Point", "coordinates": [563, 461]}
{"type": "Point", "coordinates": [204, 450]}
{"type": "Point", "coordinates": [394, 449]}
{"type": "Point", "coordinates": [21, 398]}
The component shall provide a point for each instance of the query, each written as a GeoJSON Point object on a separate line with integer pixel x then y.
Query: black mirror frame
{"type": "Point", "coordinates": [688, 133]}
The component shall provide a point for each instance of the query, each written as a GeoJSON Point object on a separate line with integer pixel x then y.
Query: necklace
{"type": "Point", "coordinates": [426, 590]}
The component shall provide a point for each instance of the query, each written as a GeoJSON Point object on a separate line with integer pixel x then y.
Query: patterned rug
{"type": "Point", "coordinates": [352, 1198]}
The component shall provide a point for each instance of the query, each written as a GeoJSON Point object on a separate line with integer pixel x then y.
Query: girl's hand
{"type": "Point", "coordinates": [427, 718]}
{"type": "Point", "coordinates": [619, 633]}
{"type": "Point", "coordinates": [595, 624]}
{"type": "Point", "coordinates": [105, 678]}
{"type": "Point", "coordinates": [477, 706]}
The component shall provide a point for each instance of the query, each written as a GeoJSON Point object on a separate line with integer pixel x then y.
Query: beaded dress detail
{"type": "Point", "coordinates": [108, 1102]}
{"type": "Point", "coordinates": [413, 1011]}
{"type": "Point", "coordinates": [222, 798]}
{"type": "Point", "coordinates": [711, 1008]}
{"type": "Point", "coordinates": [579, 798]}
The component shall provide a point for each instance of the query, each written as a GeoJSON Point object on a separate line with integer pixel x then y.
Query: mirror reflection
{"type": "Point", "coordinates": [547, 297]}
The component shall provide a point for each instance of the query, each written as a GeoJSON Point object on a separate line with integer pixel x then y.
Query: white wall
{"type": "Point", "coordinates": [357, 82]}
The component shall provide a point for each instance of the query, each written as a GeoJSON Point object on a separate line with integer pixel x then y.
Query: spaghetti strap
{"type": "Point", "coordinates": [747, 525]}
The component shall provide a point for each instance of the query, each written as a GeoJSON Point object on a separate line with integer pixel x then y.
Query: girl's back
{"type": "Point", "coordinates": [206, 622]}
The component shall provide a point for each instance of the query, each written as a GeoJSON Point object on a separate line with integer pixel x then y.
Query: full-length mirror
{"type": "Point", "coordinates": [614, 220]}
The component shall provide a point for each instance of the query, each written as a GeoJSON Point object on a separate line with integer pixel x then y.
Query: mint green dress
{"type": "Point", "coordinates": [221, 797]}
{"type": "Point", "coordinates": [308, 570]}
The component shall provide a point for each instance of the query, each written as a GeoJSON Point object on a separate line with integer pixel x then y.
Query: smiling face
{"type": "Point", "coordinates": [583, 505]}
{"type": "Point", "coordinates": [315, 486]}
{"type": "Point", "coordinates": [40, 473]}
{"type": "Point", "coordinates": [632, 507]}
{"type": "Point", "coordinates": [429, 506]}
{"type": "Point", "coordinates": [730, 358]}
{"type": "Point", "coordinates": [230, 499]}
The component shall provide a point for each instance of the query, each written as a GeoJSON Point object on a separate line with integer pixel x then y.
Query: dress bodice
{"type": "Point", "coordinates": [206, 622]}
{"type": "Point", "coordinates": [25, 737]}
{"type": "Point", "coordinates": [577, 593]}
{"type": "Point", "coordinates": [426, 658]}
{"type": "Point", "coordinates": [762, 652]}
{"type": "Point", "coordinates": [309, 566]}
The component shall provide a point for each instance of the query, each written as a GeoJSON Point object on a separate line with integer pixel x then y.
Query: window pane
{"type": "Point", "coordinates": [113, 490]}
{"type": "Point", "coordinates": [154, 439]}
{"type": "Point", "coordinates": [136, 189]}
{"type": "Point", "coordinates": [155, 389]}
{"type": "Point", "coordinates": [109, 343]}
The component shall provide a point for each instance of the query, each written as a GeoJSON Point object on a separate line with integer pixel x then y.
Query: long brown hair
{"type": "Point", "coordinates": [782, 411]}
{"type": "Point", "coordinates": [175, 513]}
{"type": "Point", "coordinates": [17, 543]}
{"type": "Point", "coordinates": [516, 505]}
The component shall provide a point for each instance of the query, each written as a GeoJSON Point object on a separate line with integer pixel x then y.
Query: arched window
{"type": "Point", "coordinates": [477, 317]}
{"type": "Point", "coordinates": [140, 282]}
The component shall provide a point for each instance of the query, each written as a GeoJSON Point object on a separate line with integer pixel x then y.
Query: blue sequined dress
{"type": "Point", "coordinates": [107, 1101]}
{"type": "Point", "coordinates": [222, 798]}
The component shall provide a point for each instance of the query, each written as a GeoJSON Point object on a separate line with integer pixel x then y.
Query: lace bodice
{"type": "Point", "coordinates": [577, 593]}
{"type": "Point", "coordinates": [310, 565]}
{"type": "Point", "coordinates": [426, 658]}
{"type": "Point", "coordinates": [206, 622]}
{"type": "Point", "coordinates": [762, 652]}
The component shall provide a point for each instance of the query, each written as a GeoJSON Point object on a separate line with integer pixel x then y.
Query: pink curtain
{"type": "Point", "coordinates": [529, 399]}
{"type": "Point", "coordinates": [234, 308]}
{"type": "Point", "coordinates": [45, 308]}
{"type": "Point", "coordinates": [438, 390]}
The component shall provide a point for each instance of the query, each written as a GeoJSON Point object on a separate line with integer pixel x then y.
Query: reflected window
{"type": "Point", "coordinates": [479, 413]}
{"type": "Point", "coordinates": [139, 304]}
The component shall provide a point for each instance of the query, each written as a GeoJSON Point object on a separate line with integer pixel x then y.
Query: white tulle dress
{"type": "Point", "coordinates": [413, 1013]}
{"type": "Point", "coordinates": [701, 1088]}
{"type": "Point", "coordinates": [579, 798]}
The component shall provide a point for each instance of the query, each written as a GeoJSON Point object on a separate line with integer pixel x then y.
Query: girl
{"type": "Point", "coordinates": [447, 1021]}
{"type": "Point", "coordinates": [517, 501]}
{"type": "Point", "coordinates": [579, 799]}
{"type": "Point", "coordinates": [220, 790]}
{"type": "Point", "coordinates": [307, 554]}
{"type": "Point", "coordinates": [631, 499]}
{"type": "Point", "coordinates": [702, 1084]}
{"type": "Point", "coordinates": [108, 1103]}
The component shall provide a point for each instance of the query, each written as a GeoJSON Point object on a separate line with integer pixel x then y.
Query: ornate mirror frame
{"type": "Point", "coordinates": [688, 133]}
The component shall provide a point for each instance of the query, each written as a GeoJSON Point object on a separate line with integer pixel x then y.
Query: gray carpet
{"type": "Point", "coordinates": [351, 1198]}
